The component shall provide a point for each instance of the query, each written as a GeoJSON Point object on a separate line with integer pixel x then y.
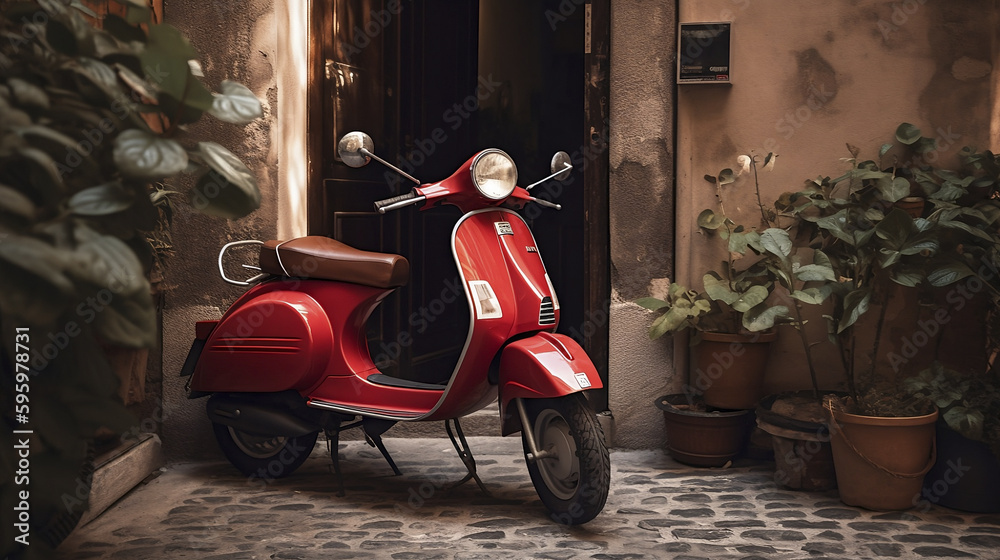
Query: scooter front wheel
{"type": "Point", "coordinates": [264, 456]}
{"type": "Point", "coordinates": [574, 474]}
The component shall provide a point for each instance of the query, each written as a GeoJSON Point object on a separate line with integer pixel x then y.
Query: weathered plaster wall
{"type": "Point", "coordinates": [641, 212]}
{"type": "Point", "coordinates": [237, 41]}
{"type": "Point", "coordinates": [809, 77]}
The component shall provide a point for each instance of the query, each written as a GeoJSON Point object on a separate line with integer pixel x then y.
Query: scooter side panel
{"type": "Point", "coordinates": [545, 365]}
{"type": "Point", "coordinates": [274, 341]}
{"type": "Point", "coordinates": [504, 280]}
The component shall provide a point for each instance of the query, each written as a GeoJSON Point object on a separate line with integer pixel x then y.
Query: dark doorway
{"type": "Point", "coordinates": [434, 82]}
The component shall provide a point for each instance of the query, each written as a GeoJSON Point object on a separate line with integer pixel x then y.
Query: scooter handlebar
{"type": "Point", "coordinates": [382, 206]}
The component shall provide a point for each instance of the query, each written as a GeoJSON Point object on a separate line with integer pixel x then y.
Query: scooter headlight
{"type": "Point", "coordinates": [494, 174]}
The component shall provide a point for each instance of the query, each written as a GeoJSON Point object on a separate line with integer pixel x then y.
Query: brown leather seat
{"type": "Point", "coordinates": [328, 259]}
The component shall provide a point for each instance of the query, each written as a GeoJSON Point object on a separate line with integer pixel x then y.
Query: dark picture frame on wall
{"type": "Point", "coordinates": [704, 53]}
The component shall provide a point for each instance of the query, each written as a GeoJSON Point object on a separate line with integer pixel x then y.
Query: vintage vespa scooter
{"type": "Point", "coordinates": [290, 357]}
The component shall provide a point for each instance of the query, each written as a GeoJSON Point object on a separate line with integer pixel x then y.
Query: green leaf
{"type": "Point", "coordinates": [170, 39]}
{"type": "Point", "coordinates": [925, 145]}
{"type": "Point", "coordinates": [763, 317]}
{"type": "Point", "coordinates": [776, 242]}
{"type": "Point", "coordinates": [967, 422]}
{"type": "Point", "coordinates": [129, 321]}
{"type": "Point", "coordinates": [651, 303]}
{"type": "Point", "coordinates": [815, 273]}
{"type": "Point", "coordinates": [100, 200]}
{"type": "Point", "coordinates": [893, 189]}
{"type": "Point", "coordinates": [710, 220]}
{"type": "Point", "coordinates": [27, 94]}
{"type": "Point", "coordinates": [144, 155]}
{"type": "Point", "coordinates": [236, 104]}
{"type": "Point", "coordinates": [895, 228]}
{"type": "Point", "coordinates": [165, 61]}
{"type": "Point", "coordinates": [121, 29]}
{"type": "Point", "coordinates": [750, 299]}
{"type": "Point", "coordinates": [884, 149]}
{"type": "Point", "coordinates": [13, 202]}
{"type": "Point", "coordinates": [835, 225]}
{"type": "Point", "coordinates": [907, 134]}
{"type": "Point", "coordinates": [671, 321]}
{"type": "Point", "coordinates": [920, 243]}
{"type": "Point", "coordinates": [107, 262]}
{"type": "Point", "coordinates": [726, 176]}
{"type": "Point", "coordinates": [229, 190]}
{"type": "Point", "coordinates": [812, 295]}
{"type": "Point", "coordinates": [855, 305]}
{"type": "Point", "coordinates": [39, 258]}
{"type": "Point", "coordinates": [718, 289]}
{"type": "Point", "coordinates": [949, 273]}
{"type": "Point", "coordinates": [906, 276]}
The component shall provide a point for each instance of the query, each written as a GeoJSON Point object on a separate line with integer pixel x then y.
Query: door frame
{"type": "Point", "coordinates": [593, 150]}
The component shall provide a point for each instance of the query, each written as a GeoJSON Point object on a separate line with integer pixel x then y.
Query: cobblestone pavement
{"type": "Point", "coordinates": [657, 509]}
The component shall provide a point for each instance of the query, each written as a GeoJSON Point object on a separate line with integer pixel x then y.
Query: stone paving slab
{"type": "Point", "coordinates": [657, 509]}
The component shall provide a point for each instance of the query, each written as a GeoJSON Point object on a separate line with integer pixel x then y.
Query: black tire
{"type": "Point", "coordinates": [573, 485]}
{"type": "Point", "coordinates": [262, 456]}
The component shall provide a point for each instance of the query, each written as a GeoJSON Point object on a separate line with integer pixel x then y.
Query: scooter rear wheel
{"type": "Point", "coordinates": [264, 456]}
{"type": "Point", "coordinates": [574, 483]}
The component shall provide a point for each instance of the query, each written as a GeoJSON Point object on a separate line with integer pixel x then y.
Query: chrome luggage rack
{"type": "Point", "coordinates": [249, 281]}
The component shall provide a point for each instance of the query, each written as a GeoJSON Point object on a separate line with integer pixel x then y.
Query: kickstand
{"type": "Point", "coordinates": [333, 446]}
{"type": "Point", "coordinates": [465, 454]}
{"type": "Point", "coordinates": [376, 441]}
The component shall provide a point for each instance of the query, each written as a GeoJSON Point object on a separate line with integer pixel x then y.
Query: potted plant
{"type": "Point", "coordinates": [90, 120]}
{"type": "Point", "coordinates": [732, 319]}
{"type": "Point", "coordinates": [968, 438]}
{"type": "Point", "coordinates": [875, 248]}
{"type": "Point", "coordinates": [733, 316]}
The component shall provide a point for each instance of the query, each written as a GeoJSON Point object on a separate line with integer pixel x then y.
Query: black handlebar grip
{"type": "Point", "coordinates": [383, 203]}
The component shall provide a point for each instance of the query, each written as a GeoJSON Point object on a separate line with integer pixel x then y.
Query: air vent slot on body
{"type": "Point", "coordinates": [546, 312]}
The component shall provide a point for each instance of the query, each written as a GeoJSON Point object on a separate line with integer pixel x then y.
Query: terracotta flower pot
{"type": "Point", "coordinates": [912, 205]}
{"type": "Point", "coordinates": [703, 439]}
{"type": "Point", "coordinates": [800, 435]}
{"type": "Point", "coordinates": [729, 368]}
{"type": "Point", "coordinates": [881, 462]}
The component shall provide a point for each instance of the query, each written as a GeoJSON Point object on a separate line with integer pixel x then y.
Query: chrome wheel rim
{"type": "Point", "coordinates": [255, 445]}
{"type": "Point", "coordinates": [561, 470]}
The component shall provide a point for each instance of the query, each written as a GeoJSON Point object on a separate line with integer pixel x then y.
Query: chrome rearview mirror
{"type": "Point", "coordinates": [559, 169]}
{"type": "Point", "coordinates": [561, 166]}
{"type": "Point", "coordinates": [356, 149]}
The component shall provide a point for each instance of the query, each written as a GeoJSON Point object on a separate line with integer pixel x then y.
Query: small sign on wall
{"type": "Point", "coordinates": [703, 52]}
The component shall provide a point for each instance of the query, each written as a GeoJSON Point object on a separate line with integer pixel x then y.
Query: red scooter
{"type": "Point", "coordinates": [290, 357]}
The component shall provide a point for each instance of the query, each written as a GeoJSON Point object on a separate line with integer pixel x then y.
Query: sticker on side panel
{"type": "Point", "coordinates": [503, 228]}
{"type": "Point", "coordinates": [487, 302]}
{"type": "Point", "coordinates": [583, 380]}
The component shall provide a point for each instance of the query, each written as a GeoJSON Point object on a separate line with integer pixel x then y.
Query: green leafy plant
{"type": "Point", "coordinates": [872, 244]}
{"type": "Point", "coordinates": [969, 404]}
{"type": "Point", "coordinates": [739, 298]}
{"type": "Point", "coordinates": [93, 123]}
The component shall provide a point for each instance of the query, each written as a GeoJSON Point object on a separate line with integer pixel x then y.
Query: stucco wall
{"type": "Point", "coordinates": [641, 163]}
{"type": "Point", "coordinates": [809, 77]}
{"type": "Point", "coordinates": [237, 41]}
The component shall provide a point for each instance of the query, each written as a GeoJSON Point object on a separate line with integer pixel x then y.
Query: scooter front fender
{"type": "Point", "coordinates": [545, 365]}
